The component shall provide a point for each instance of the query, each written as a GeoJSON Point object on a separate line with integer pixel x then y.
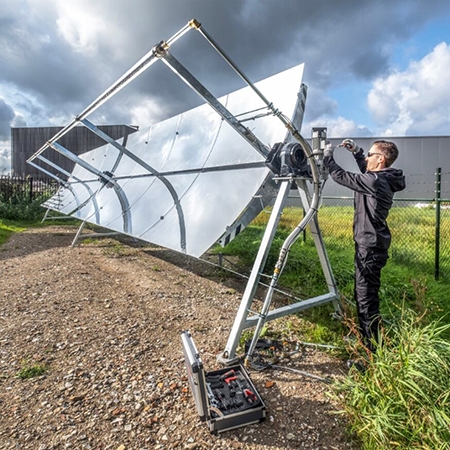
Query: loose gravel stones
{"type": "Point", "coordinates": [105, 319]}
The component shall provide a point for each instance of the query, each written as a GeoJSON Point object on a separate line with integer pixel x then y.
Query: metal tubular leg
{"type": "Point", "coordinates": [229, 353]}
{"type": "Point", "coordinates": [75, 239]}
{"type": "Point", "coordinates": [45, 215]}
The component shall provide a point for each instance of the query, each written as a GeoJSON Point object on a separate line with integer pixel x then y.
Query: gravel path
{"type": "Point", "coordinates": [105, 320]}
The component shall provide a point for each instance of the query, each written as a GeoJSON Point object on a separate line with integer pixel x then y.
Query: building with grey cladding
{"type": "Point", "coordinates": [26, 141]}
{"type": "Point", "coordinates": [419, 157]}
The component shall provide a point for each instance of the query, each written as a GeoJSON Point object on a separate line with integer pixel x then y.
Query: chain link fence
{"type": "Point", "coordinates": [419, 223]}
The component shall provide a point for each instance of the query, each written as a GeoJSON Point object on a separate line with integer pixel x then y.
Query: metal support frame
{"type": "Point", "coordinates": [243, 320]}
{"type": "Point", "coordinates": [161, 52]}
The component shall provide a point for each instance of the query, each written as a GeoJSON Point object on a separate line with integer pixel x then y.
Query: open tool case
{"type": "Point", "coordinates": [225, 398]}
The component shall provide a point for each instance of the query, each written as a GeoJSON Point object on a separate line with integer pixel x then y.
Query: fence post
{"type": "Point", "coordinates": [30, 181]}
{"type": "Point", "coordinates": [437, 237]}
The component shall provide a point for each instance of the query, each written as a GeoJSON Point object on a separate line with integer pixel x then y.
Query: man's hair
{"type": "Point", "coordinates": [389, 150]}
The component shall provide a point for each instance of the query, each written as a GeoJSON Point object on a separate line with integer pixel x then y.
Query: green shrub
{"type": "Point", "coordinates": [7, 229]}
{"type": "Point", "coordinates": [23, 211]}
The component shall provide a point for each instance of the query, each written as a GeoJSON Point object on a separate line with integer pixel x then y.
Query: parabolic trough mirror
{"type": "Point", "coordinates": [198, 178]}
{"type": "Point", "coordinates": [183, 182]}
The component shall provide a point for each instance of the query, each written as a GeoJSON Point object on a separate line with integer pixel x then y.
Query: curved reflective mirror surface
{"type": "Point", "coordinates": [190, 176]}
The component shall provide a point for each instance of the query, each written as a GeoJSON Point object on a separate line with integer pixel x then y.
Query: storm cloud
{"type": "Point", "coordinates": [58, 56]}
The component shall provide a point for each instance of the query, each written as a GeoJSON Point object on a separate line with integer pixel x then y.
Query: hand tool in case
{"type": "Point", "coordinates": [225, 398]}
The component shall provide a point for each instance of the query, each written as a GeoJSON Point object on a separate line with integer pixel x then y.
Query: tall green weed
{"type": "Point", "coordinates": [402, 400]}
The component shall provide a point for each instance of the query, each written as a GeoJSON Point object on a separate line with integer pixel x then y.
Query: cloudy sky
{"type": "Point", "coordinates": [373, 67]}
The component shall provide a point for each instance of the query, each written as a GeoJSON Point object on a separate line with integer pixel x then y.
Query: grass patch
{"type": "Point", "coordinates": [408, 276]}
{"type": "Point", "coordinates": [403, 399]}
{"type": "Point", "coordinates": [31, 370]}
{"type": "Point", "coordinates": [7, 228]}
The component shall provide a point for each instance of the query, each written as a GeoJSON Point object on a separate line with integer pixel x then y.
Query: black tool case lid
{"type": "Point", "coordinates": [196, 375]}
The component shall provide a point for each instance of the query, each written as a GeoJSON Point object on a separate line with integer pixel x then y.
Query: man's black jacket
{"type": "Point", "coordinates": [374, 193]}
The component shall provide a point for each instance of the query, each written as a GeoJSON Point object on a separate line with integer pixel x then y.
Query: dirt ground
{"type": "Point", "coordinates": [105, 320]}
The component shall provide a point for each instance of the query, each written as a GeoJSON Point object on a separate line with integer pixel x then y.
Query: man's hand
{"type": "Point", "coordinates": [328, 150]}
{"type": "Point", "coordinates": [350, 145]}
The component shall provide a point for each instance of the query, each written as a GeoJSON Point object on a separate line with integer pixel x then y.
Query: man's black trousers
{"type": "Point", "coordinates": [368, 264]}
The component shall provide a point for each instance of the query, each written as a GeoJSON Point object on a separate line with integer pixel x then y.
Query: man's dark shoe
{"type": "Point", "coordinates": [358, 365]}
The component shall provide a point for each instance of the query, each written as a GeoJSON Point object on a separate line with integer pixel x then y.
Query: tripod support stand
{"type": "Point", "coordinates": [243, 320]}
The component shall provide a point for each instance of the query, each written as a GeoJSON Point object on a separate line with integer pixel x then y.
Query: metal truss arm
{"type": "Point", "coordinates": [52, 175]}
{"type": "Point", "coordinates": [86, 185]}
{"type": "Point", "coordinates": [143, 164]}
{"type": "Point", "coordinates": [194, 84]}
{"type": "Point", "coordinates": [126, 214]}
{"type": "Point", "coordinates": [147, 60]}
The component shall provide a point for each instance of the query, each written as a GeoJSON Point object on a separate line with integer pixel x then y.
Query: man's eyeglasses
{"type": "Point", "coordinates": [372, 154]}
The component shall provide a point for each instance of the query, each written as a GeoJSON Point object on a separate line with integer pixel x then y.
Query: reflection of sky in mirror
{"type": "Point", "coordinates": [75, 198]}
{"type": "Point", "coordinates": [217, 199]}
{"type": "Point", "coordinates": [196, 139]}
{"type": "Point", "coordinates": [108, 204]}
{"type": "Point", "coordinates": [146, 210]}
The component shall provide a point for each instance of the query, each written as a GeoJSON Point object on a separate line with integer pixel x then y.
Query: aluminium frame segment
{"type": "Point", "coordinates": [242, 320]}
{"type": "Point", "coordinates": [126, 214]}
{"type": "Point", "coordinates": [224, 167]}
{"type": "Point", "coordinates": [151, 170]}
{"type": "Point", "coordinates": [91, 193]}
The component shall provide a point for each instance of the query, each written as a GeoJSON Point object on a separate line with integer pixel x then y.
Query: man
{"type": "Point", "coordinates": [374, 191]}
